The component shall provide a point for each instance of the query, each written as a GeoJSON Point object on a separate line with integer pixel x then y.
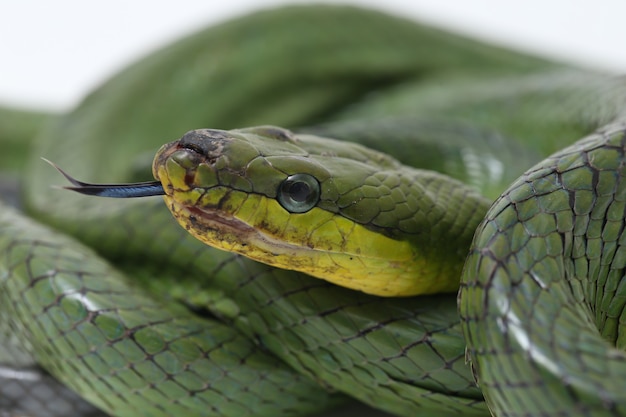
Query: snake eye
{"type": "Point", "coordinates": [299, 193]}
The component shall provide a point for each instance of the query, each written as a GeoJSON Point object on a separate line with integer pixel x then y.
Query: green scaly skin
{"type": "Point", "coordinates": [131, 348]}
{"type": "Point", "coordinates": [554, 243]}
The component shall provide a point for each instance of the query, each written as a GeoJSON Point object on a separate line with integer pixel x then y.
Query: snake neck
{"type": "Point", "coordinates": [449, 212]}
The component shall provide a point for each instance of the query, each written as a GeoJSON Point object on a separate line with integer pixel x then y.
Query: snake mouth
{"type": "Point", "coordinates": [225, 231]}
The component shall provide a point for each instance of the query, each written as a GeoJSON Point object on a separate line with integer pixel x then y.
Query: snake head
{"type": "Point", "coordinates": [295, 202]}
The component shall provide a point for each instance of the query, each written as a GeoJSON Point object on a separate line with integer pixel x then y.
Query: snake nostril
{"type": "Point", "coordinates": [192, 143]}
{"type": "Point", "coordinates": [203, 141]}
{"type": "Point", "coordinates": [193, 148]}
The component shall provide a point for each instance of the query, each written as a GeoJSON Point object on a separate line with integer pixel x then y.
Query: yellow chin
{"type": "Point", "coordinates": [318, 243]}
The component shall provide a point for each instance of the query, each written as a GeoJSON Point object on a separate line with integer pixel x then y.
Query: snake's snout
{"type": "Point", "coordinates": [193, 148]}
{"type": "Point", "coordinates": [192, 162]}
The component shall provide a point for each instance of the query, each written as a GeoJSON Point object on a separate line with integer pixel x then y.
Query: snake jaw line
{"type": "Point", "coordinates": [227, 232]}
{"type": "Point", "coordinates": [356, 265]}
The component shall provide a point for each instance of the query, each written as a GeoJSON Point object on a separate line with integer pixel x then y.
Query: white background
{"type": "Point", "coordinates": [53, 52]}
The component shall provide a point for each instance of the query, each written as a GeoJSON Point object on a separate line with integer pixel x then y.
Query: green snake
{"type": "Point", "coordinates": [120, 304]}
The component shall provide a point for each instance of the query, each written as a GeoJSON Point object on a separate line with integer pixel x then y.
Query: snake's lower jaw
{"type": "Point", "coordinates": [376, 275]}
{"type": "Point", "coordinates": [226, 232]}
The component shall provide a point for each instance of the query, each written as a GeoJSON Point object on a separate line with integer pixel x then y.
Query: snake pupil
{"type": "Point", "coordinates": [299, 193]}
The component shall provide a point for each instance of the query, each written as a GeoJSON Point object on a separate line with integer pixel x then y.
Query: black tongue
{"type": "Point", "coordinates": [132, 190]}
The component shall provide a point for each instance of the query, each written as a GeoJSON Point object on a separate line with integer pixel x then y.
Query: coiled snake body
{"type": "Point", "coordinates": [190, 330]}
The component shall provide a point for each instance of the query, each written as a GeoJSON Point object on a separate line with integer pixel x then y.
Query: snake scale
{"type": "Point", "coordinates": [125, 308]}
